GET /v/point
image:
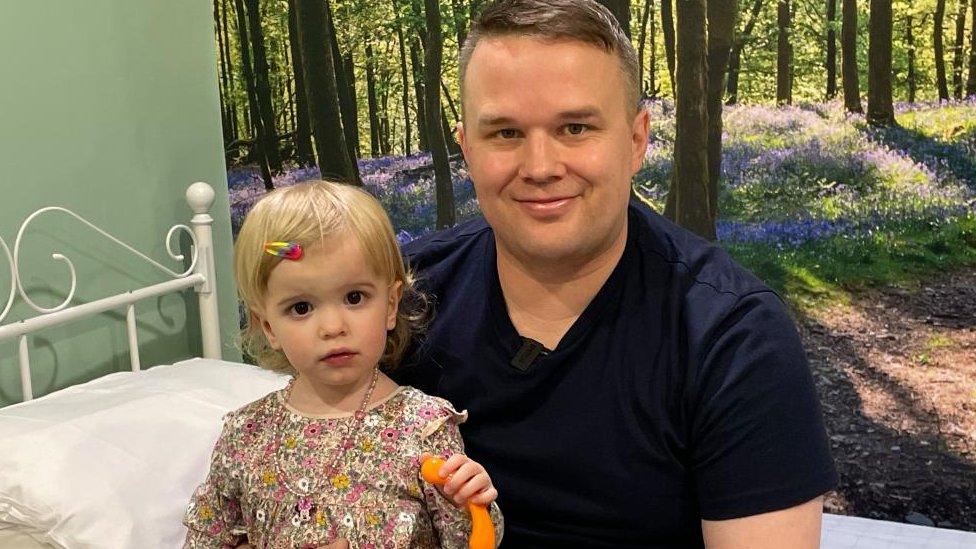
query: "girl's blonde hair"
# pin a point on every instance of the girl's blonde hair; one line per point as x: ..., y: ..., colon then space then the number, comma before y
x: 308, y: 213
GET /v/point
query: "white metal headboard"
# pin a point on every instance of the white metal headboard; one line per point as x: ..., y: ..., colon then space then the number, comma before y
x: 200, y: 275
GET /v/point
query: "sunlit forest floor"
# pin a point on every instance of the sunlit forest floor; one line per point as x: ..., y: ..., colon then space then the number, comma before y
x: 869, y: 234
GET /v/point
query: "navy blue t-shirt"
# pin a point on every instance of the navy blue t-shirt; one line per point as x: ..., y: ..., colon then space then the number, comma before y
x: 680, y: 393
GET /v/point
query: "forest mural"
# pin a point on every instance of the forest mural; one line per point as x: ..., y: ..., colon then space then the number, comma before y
x: 828, y: 145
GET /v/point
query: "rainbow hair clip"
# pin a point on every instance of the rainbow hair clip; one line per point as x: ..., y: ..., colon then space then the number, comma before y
x: 284, y: 250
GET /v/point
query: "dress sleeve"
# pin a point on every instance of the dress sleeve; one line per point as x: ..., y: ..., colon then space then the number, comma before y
x: 442, y: 437
x: 213, y: 518
x: 758, y: 437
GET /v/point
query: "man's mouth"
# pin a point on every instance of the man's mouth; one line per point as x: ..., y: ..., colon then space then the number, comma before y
x: 547, y: 205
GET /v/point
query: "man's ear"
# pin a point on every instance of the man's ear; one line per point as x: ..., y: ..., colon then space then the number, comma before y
x: 639, y: 133
x: 461, y: 139
x: 269, y: 334
x: 393, y: 305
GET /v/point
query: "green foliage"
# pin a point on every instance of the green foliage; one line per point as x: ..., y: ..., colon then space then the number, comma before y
x: 825, y: 271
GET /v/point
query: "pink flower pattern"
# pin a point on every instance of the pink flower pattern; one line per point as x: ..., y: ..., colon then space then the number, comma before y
x: 244, y: 498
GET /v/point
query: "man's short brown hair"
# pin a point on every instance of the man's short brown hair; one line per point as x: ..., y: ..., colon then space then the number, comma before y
x: 581, y: 20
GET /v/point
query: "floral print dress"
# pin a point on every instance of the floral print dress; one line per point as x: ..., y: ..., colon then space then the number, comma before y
x: 373, y: 496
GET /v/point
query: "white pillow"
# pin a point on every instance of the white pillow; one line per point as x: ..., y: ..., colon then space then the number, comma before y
x: 113, y: 462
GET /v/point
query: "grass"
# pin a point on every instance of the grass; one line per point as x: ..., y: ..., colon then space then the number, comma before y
x: 824, y: 272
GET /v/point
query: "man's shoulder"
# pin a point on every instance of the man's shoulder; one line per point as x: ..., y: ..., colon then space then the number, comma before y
x: 700, y: 266
x: 448, y: 249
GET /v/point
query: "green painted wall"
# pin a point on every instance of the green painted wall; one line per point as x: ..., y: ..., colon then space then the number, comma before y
x: 109, y: 108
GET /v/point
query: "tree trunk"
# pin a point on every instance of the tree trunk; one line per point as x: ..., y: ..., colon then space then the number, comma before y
x: 667, y: 28
x: 420, y: 94
x: 831, y: 49
x: 652, y: 68
x: 432, y: 93
x: 289, y: 80
x: 910, y: 41
x: 940, y: 68
x: 384, y: 117
x: 848, y: 51
x: 722, y: 16
x: 374, y: 121
x: 450, y: 103
x: 621, y: 11
x: 405, y: 94
x: 738, y: 46
x: 262, y: 88
x: 958, y: 50
x: 784, y: 54
x: 460, y: 21
x: 350, y: 108
x: 303, y: 131
x: 322, y: 93
x: 688, y: 200
x: 222, y: 90
x: 452, y: 145
x: 348, y: 111
x: 971, y: 80
x: 229, y: 76
x: 641, y: 40
x: 881, y: 111
x: 257, y: 151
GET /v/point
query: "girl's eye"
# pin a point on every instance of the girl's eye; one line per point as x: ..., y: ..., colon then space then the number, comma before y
x: 301, y: 308
x: 355, y: 298
x: 575, y: 129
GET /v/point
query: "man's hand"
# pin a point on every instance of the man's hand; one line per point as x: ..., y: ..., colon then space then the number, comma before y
x: 467, y: 481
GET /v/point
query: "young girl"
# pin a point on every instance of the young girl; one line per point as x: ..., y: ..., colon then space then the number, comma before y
x: 336, y: 454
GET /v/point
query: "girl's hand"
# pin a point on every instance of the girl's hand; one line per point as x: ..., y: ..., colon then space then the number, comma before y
x: 467, y: 481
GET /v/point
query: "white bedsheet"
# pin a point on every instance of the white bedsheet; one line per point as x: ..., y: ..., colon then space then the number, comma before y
x: 113, y: 462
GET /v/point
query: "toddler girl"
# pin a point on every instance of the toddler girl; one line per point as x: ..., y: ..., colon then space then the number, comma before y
x: 336, y: 454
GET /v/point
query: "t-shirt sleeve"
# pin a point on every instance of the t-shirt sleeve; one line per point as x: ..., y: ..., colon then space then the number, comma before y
x: 758, y: 442
x: 213, y: 518
x: 452, y: 525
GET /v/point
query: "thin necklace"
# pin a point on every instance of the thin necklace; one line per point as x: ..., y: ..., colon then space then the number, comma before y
x: 345, y: 441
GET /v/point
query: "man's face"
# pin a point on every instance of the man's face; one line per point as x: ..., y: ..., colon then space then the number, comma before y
x: 550, y: 145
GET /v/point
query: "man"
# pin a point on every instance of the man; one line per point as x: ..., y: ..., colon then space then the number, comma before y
x: 628, y: 384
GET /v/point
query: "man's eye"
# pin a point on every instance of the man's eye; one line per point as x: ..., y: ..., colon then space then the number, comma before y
x: 508, y: 133
x: 575, y: 129
x: 301, y: 308
x: 355, y: 298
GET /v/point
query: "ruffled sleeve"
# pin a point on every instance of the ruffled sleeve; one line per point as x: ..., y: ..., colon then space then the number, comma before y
x: 441, y: 437
x: 214, y: 518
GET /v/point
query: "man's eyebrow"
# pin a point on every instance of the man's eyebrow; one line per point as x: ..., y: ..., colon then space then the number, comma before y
x: 583, y: 113
x: 493, y: 120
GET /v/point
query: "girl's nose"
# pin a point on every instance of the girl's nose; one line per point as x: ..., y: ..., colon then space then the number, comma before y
x: 332, y: 324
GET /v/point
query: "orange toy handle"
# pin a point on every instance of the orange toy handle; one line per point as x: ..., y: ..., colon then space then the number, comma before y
x: 482, y: 531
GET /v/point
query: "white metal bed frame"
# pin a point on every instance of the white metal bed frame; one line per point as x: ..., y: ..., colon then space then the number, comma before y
x: 199, y: 275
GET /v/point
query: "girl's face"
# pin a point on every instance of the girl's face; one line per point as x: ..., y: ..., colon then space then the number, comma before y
x: 329, y: 313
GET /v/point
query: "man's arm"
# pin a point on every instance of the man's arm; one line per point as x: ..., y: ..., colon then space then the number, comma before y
x: 796, y: 527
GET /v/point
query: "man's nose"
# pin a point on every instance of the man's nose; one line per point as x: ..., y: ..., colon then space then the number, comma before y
x: 541, y: 161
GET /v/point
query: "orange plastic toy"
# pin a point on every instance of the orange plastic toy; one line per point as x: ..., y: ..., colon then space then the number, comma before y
x: 482, y: 531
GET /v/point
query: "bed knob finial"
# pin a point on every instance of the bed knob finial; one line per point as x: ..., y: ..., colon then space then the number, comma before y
x: 200, y: 196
